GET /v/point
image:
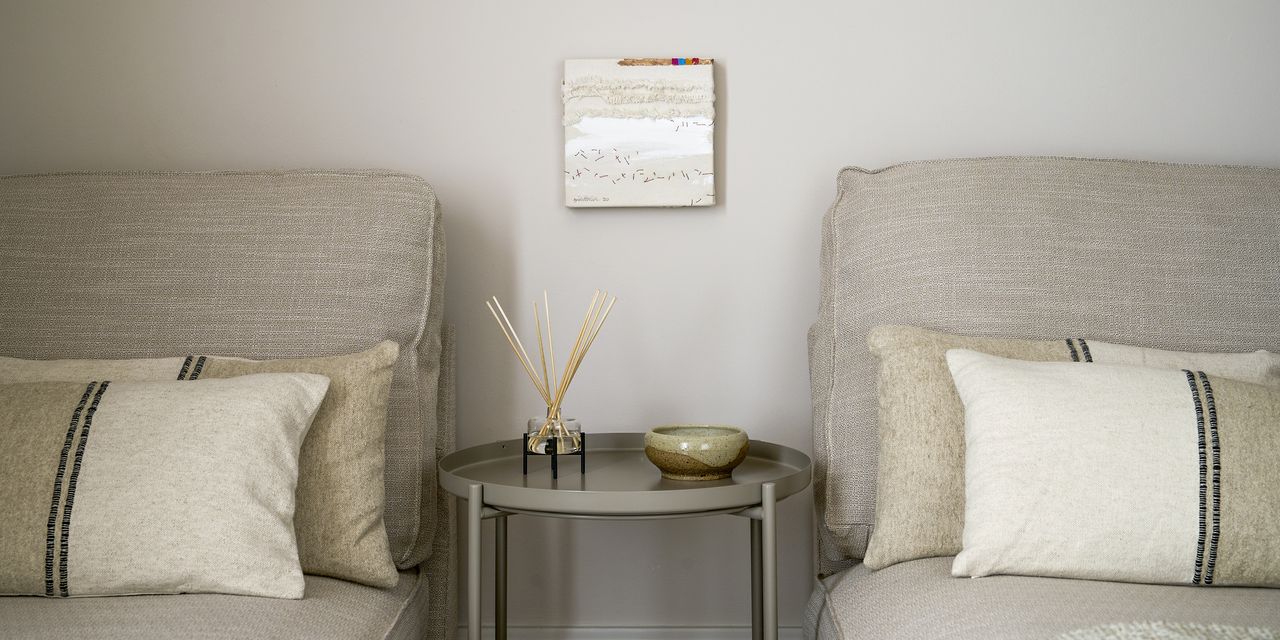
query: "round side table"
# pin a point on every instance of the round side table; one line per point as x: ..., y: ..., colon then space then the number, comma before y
x: 620, y: 484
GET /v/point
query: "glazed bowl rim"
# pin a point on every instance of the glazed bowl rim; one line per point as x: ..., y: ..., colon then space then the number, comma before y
x: 727, y: 430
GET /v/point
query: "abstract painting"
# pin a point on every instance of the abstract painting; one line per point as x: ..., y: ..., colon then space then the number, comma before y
x: 638, y: 132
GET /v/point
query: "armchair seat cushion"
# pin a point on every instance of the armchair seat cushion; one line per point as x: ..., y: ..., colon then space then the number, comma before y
x: 332, y: 608
x: 920, y: 600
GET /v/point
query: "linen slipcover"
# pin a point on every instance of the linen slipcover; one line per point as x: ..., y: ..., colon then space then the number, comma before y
x: 259, y: 265
x: 419, y: 607
x: 920, y: 486
x: 1170, y: 256
x: 184, y: 487
x: 919, y: 600
x: 340, y: 494
x: 1118, y: 472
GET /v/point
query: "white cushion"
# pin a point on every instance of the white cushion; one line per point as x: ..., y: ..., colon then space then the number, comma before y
x: 1113, y: 472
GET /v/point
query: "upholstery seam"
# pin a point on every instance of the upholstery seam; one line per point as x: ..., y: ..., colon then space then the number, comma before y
x: 826, y: 427
x: 404, y: 606
x: 420, y: 417
x: 1080, y: 159
x: 835, y: 620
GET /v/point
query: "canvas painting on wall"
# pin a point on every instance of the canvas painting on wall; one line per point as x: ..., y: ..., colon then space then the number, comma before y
x: 638, y: 132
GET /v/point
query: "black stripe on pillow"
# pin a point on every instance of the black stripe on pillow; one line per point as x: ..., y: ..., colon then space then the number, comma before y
x: 1204, y: 472
x: 1071, y: 344
x: 1217, y: 477
x: 56, y: 503
x: 71, y: 488
x: 186, y: 366
x: 195, y: 373
x: 1084, y: 348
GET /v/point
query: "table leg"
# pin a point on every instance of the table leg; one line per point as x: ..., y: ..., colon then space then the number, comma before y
x: 475, y: 505
x: 769, y: 560
x: 757, y: 594
x: 500, y: 578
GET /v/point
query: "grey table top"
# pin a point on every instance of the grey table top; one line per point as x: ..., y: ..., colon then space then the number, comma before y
x: 620, y: 481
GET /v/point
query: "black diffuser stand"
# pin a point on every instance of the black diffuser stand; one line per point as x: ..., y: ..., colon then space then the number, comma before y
x: 555, y: 456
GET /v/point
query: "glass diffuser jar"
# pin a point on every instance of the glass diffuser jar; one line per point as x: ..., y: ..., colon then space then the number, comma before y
x: 566, y: 434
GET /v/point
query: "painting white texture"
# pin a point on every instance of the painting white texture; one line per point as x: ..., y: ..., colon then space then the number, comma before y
x: 638, y: 132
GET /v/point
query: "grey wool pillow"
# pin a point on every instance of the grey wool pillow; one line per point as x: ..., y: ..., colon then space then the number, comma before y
x: 1114, y: 472
x: 117, y: 488
x: 341, y: 497
x: 920, y: 483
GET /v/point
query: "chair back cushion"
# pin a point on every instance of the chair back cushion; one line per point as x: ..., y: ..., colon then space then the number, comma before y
x: 247, y: 264
x: 1179, y: 257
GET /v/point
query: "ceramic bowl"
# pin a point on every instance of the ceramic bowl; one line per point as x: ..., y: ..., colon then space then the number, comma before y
x: 695, y: 451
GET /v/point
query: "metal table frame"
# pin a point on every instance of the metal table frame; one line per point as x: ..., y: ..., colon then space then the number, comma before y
x: 755, y: 500
x: 764, y: 558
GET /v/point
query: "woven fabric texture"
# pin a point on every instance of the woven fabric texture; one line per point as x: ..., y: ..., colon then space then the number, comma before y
x: 332, y: 608
x: 1114, y: 472
x: 441, y: 567
x: 919, y: 600
x: 158, y: 487
x: 338, y: 521
x: 920, y: 489
x: 1168, y: 256
x: 1168, y: 631
x: 248, y: 264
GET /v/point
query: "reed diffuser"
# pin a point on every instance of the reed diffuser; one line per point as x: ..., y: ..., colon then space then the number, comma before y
x: 554, y: 434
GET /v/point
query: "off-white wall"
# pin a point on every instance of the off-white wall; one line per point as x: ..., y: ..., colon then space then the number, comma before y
x: 714, y: 303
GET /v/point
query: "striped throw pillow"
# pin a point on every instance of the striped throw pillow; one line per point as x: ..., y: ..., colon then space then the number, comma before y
x: 920, y: 481
x: 339, y: 520
x: 113, y: 488
x: 1112, y: 472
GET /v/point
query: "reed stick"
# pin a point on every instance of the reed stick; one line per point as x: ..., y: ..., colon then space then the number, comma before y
x: 542, y: 387
x: 573, y: 352
x: 527, y: 368
x: 542, y: 353
x: 594, y: 333
x: 551, y: 387
x: 551, y: 341
x: 591, y: 329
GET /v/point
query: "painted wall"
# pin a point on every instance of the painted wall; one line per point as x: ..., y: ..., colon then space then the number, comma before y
x: 714, y: 302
